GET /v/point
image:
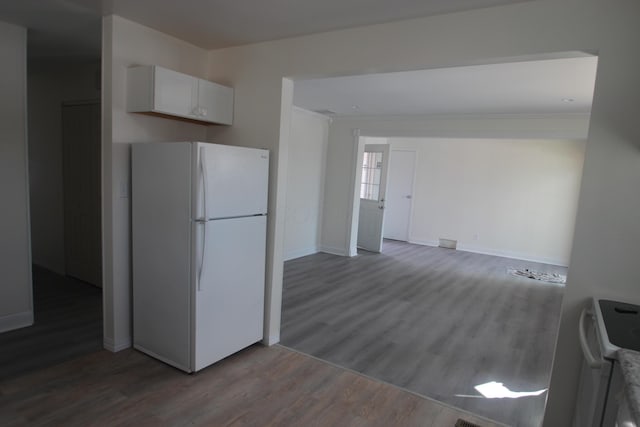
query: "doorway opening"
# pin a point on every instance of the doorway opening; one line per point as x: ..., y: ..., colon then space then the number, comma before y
x: 81, y: 183
x: 402, y: 169
x: 64, y: 128
x: 499, y: 180
x: 386, y: 205
x: 373, y: 190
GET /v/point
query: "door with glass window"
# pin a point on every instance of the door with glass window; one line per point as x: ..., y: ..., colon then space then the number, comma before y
x: 373, y: 186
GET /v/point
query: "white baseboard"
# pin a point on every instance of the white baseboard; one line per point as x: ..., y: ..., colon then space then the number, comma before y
x: 269, y: 341
x: 113, y: 347
x: 300, y: 253
x: 333, y: 250
x: 487, y: 251
x: 513, y: 255
x: 16, y: 321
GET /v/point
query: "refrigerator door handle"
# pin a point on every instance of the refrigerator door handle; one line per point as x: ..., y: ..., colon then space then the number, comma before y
x: 205, y: 182
x: 204, y: 250
x: 592, y: 362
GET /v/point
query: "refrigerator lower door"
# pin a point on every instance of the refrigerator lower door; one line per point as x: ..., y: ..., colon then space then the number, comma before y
x: 229, y: 295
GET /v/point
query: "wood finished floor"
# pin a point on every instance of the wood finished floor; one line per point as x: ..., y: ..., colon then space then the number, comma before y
x: 68, y: 323
x: 434, y: 321
x: 258, y: 387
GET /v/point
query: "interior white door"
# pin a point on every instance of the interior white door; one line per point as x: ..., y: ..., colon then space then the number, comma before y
x: 229, y: 270
x: 82, y: 196
x: 402, y: 165
x: 233, y: 181
x: 373, y: 186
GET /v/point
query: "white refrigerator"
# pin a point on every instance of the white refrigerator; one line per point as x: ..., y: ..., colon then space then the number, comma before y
x: 199, y: 214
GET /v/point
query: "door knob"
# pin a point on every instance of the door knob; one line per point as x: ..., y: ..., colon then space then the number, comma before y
x: 408, y: 196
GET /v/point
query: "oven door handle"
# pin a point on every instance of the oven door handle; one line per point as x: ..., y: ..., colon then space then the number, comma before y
x: 591, y: 361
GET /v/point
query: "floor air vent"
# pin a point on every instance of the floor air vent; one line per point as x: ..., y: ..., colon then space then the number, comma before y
x: 464, y: 423
x: 447, y: 243
x: 325, y: 112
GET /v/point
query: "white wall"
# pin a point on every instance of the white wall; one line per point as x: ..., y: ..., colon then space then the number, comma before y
x: 339, y: 229
x: 125, y: 44
x: 305, y: 183
x: 506, y: 197
x: 603, y: 259
x: 49, y: 85
x: 16, y: 307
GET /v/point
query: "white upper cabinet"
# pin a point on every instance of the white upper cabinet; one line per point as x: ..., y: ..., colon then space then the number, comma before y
x: 215, y: 102
x: 153, y: 89
x: 174, y: 93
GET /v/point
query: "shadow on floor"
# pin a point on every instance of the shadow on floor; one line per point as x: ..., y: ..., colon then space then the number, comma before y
x: 68, y: 323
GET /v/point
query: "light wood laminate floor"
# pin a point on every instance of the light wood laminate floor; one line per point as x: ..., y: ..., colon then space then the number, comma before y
x: 258, y: 387
x: 434, y: 321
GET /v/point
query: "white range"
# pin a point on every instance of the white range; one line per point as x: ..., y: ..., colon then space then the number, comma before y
x: 605, y: 328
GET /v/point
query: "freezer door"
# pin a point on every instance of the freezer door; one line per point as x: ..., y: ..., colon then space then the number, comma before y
x: 231, y: 181
x: 229, y: 297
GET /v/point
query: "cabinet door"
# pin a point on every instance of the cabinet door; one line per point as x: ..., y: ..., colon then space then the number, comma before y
x: 215, y: 102
x: 175, y: 93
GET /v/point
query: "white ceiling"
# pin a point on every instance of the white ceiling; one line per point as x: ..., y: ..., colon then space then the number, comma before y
x: 57, y: 28
x: 72, y: 27
x: 532, y: 87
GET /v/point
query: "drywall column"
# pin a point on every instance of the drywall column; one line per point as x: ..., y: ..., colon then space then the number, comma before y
x: 305, y: 182
x: 108, y: 303
x: 16, y: 307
